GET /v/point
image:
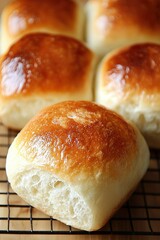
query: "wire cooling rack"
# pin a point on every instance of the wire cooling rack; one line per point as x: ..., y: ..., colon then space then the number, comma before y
x: 139, y: 216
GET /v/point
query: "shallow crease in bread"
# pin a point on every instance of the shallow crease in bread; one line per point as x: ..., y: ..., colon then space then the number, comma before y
x: 77, y: 162
x: 42, y: 69
x: 21, y: 17
x: 128, y: 82
x: 116, y: 23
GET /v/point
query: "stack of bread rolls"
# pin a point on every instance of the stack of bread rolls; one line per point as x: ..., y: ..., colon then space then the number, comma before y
x: 76, y: 160
x: 41, y: 68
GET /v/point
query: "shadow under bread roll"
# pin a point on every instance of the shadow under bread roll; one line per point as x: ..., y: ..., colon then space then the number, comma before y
x: 128, y: 82
x: 77, y: 162
x: 21, y: 17
x: 40, y: 70
x: 116, y: 23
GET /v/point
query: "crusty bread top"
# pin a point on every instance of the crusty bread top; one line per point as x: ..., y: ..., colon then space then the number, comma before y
x: 123, y: 15
x: 133, y: 69
x: 40, y: 63
x: 21, y: 15
x: 72, y: 138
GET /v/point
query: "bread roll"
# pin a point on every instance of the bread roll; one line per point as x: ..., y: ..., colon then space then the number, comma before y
x: 77, y: 162
x: 128, y: 82
x: 39, y: 70
x: 21, y: 17
x: 116, y: 23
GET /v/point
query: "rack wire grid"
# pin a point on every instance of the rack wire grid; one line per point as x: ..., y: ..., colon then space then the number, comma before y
x: 139, y: 216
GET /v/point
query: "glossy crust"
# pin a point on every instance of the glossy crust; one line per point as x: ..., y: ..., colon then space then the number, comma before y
x: 90, y: 152
x: 85, y: 137
x: 134, y: 71
x: 128, y: 82
x: 21, y: 17
x: 116, y: 23
x: 33, y: 14
x: 42, y: 63
x: 143, y: 15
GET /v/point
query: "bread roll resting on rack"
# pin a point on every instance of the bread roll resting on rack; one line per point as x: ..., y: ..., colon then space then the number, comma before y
x: 128, y: 82
x: 77, y: 162
x: 39, y: 70
x: 116, y: 23
x: 21, y: 17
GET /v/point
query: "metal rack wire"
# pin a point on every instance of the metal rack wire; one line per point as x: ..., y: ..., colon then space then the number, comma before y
x: 139, y: 216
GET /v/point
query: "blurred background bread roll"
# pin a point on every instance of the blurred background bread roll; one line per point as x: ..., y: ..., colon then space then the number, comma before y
x: 116, y: 23
x: 128, y: 82
x: 20, y: 17
x: 77, y: 162
x: 42, y: 69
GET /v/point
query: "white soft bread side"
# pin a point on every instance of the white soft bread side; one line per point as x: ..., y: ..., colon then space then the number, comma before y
x: 78, y: 162
x: 21, y: 17
x: 16, y: 113
x: 42, y: 69
x: 112, y: 24
x: 128, y: 82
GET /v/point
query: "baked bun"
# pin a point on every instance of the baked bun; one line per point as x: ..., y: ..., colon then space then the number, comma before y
x: 21, y: 17
x: 77, y: 162
x: 128, y: 82
x: 112, y: 24
x: 39, y: 70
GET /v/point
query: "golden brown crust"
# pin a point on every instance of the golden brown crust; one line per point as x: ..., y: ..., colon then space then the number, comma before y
x: 22, y: 15
x: 134, y: 69
x: 143, y: 15
x: 73, y: 137
x: 43, y: 63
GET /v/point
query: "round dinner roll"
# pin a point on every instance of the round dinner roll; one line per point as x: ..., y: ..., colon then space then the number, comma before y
x: 21, y: 17
x: 77, y: 162
x: 128, y: 82
x: 116, y: 23
x: 40, y: 70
